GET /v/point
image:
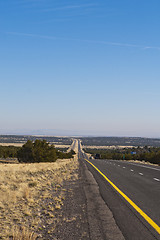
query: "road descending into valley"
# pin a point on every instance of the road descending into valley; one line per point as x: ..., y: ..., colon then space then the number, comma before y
x: 132, y: 192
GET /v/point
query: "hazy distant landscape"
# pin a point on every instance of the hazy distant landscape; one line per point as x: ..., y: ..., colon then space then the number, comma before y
x: 23, y: 138
x: 120, y: 141
x: 87, y: 141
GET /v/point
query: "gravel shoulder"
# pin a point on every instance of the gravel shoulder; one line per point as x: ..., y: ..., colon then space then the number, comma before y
x: 84, y: 214
x: 73, y: 221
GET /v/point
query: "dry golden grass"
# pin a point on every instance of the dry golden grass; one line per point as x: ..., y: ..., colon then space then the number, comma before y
x: 31, y: 195
x: 23, y: 234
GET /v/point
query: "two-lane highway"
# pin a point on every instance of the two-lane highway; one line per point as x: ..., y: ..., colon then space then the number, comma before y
x: 132, y: 192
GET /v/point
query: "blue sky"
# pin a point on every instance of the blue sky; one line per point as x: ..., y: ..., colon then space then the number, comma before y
x: 80, y: 67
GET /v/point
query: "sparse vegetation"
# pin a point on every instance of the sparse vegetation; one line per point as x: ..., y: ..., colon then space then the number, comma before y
x: 31, y: 195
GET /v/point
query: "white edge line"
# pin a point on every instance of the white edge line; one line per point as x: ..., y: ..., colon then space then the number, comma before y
x: 144, y: 166
x: 156, y: 179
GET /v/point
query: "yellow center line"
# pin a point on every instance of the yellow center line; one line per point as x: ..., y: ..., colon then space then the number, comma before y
x: 144, y: 215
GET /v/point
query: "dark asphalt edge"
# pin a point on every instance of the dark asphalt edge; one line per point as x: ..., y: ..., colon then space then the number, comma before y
x: 101, y: 223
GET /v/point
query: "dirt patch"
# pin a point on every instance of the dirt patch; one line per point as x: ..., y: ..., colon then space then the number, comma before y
x: 106, y: 147
x: 9, y: 160
x: 12, y: 144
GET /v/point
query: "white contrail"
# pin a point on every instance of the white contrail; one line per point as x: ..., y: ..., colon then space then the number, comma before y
x: 67, y: 7
x: 84, y: 40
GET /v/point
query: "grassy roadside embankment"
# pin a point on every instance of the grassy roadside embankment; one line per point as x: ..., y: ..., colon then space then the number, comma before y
x: 31, y: 195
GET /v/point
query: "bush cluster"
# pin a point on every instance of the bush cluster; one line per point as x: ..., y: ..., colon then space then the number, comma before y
x: 40, y: 151
x: 8, y: 151
x: 148, y: 154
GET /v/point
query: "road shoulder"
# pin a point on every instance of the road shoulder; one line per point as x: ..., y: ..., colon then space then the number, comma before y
x: 100, y: 219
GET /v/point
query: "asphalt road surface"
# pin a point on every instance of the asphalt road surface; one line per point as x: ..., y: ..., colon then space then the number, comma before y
x: 140, y: 183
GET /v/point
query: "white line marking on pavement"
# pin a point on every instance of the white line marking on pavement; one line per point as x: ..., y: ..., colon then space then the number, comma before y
x: 156, y: 179
x: 141, y: 173
x: 118, y: 165
x: 124, y: 167
x: 139, y: 165
x: 132, y: 170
